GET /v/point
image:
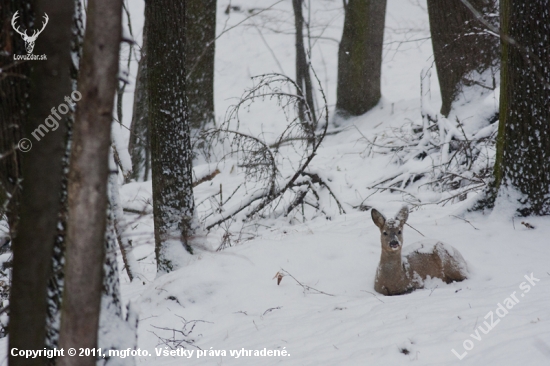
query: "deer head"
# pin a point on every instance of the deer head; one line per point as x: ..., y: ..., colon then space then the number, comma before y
x: 391, y: 230
x: 29, y: 40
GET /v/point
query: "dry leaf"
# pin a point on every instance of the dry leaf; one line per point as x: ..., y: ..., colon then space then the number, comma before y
x: 527, y: 225
x: 279, y: 276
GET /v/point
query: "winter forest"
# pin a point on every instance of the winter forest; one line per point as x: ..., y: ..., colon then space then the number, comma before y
x: 274, y: 182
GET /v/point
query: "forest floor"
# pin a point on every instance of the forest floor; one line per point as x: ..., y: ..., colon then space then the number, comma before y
x: 327, y: 312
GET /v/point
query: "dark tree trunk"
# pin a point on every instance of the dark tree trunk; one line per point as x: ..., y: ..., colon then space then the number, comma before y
x: 88, y: 176
x: 306, y: 110
x: 523, y: 141
x: 360, y: 57
x: 14, y: 94
x: 139, y: 144
x: 173, y: 204
x: 460, y: 44
x: 56, y: 282
x: 200, y: 20
x: 42, y: 171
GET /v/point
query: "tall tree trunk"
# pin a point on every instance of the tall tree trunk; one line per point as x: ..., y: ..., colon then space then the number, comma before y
x: 88, y: 176
x: 360, y: 57
x: 56, y: 282
x: 306, y: 109
x: 42, y: 172
x: 111, y: 320
x: 119, y: 226
x: 14, y: 94
x: 139, y: 145
x: 200, y: 20
x: 173, y: 204
x: 460, y: 44
x: 523, y: 141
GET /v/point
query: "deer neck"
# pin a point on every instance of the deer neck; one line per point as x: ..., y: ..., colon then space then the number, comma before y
x: 391, y: 260
x: 392, y: 272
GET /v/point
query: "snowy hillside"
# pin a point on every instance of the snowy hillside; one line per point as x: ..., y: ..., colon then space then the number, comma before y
x: 325, y: 310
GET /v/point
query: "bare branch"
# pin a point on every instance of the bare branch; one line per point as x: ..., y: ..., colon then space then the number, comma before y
x: 305, y: 287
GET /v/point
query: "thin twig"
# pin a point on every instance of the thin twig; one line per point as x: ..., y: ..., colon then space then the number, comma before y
x: 305, y: 287
x: 415, y: 229
x: 271, y: 309
x: 465, y: 221
x: 377, y: 298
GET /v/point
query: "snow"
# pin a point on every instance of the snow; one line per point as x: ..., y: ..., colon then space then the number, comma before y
x: 233, y: 295
x: 233, y: 289
x: 329, y: 313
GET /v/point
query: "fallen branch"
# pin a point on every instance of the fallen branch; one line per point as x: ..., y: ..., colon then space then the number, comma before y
x: 138, y: 212
x: 239, y: 208
x: 465, y: 221
x: 177, y: 342
x: 206, y: 178
x: 315, y: 178
x: 260, y: 158
x: 271, y: 309
x: 305, y: 287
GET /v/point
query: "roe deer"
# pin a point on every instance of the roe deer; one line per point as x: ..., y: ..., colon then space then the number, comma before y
x: 402, y: 272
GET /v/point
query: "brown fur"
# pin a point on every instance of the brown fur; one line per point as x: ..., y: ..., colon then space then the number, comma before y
x: 402, y: 272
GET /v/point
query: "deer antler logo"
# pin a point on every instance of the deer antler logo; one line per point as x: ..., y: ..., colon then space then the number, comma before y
x: 29, y: 40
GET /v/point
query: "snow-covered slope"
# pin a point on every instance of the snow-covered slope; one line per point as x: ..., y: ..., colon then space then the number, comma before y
x: 325, y: 310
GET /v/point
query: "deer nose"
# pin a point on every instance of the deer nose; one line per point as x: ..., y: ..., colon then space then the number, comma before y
x: 394, y: 244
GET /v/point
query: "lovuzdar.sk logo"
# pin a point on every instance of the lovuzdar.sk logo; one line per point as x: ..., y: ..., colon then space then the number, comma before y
x: 29, y: 40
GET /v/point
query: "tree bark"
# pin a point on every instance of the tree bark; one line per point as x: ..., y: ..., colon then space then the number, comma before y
x: 173, y: 203
x: 460, y: 44
x: 360, y: 57
x: 139, y: 145
x: 56, y: 281
x: 306, y: 109
x: 523, y: 141
x: 50, y: 83
x: 111, y: 319
x: 88, y: 176
x: 14, y: 93
x: 200, y: 20
x: 119, y: 226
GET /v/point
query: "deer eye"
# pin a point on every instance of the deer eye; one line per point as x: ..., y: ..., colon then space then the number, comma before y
x: 399, y: 232
x: 385, y: 233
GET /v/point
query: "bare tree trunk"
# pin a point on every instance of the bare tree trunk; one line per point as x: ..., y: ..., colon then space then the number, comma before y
x: 42, y: 172
x: 523, y: 142
x: 14, y: 94
x: 360, y: 57
x: 111, y: 320
x: 88, y: 176
x: 460, y: 44
x: 119, y: 225
x: 56, y: 282
x: 200, y: 20
x: 173, y: 203
x: 306, y: 109
x: 139, y: 145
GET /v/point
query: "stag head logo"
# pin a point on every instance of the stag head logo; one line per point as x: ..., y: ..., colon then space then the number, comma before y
x: 29, y: 40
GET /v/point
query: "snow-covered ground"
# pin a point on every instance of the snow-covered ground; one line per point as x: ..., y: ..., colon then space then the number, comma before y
x: 327, y: 312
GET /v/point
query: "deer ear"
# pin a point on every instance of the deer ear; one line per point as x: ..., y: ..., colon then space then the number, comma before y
x: 403, y: 215
x: 378, y: 218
